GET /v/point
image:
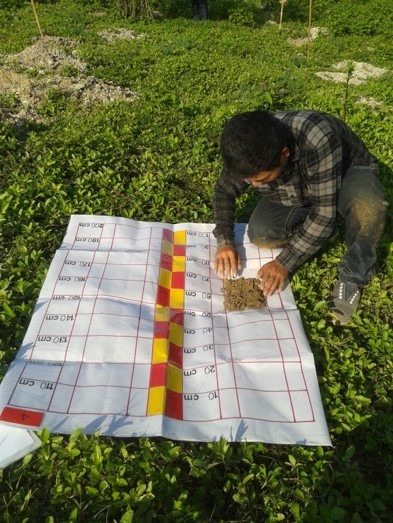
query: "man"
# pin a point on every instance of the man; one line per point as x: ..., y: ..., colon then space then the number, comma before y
x: 199, y: 9
x: 305, y: 166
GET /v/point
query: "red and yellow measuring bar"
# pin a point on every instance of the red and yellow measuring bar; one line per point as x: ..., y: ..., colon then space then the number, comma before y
x: 166, y: 383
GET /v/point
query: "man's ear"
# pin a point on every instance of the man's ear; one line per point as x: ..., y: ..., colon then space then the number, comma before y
x: 285, y: 152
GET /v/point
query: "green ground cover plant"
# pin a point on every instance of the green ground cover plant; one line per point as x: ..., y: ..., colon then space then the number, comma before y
x: 157, y: 158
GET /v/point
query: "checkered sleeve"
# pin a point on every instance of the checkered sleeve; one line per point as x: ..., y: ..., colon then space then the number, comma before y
x: 227, y: 189
x: 322, y: 177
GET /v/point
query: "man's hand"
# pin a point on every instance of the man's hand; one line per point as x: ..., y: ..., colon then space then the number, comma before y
x: 227, y: 262
x: 272, y: 276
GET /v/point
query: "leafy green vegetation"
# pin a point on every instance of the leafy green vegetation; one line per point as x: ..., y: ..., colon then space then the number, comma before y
x: 157, y: 158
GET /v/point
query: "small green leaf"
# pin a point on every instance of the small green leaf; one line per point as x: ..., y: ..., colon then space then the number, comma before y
x: 127, y: 517
x: 292, y: 460
x: 337, y: 513
x: 91, y: 491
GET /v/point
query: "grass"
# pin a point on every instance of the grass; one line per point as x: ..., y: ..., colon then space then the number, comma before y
x: 157, y: 159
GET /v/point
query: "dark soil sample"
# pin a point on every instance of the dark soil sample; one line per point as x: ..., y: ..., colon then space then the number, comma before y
x: 242, y: 294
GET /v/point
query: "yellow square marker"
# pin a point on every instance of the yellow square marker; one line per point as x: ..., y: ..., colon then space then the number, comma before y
x: 167, y: 247
x: 179, y: 237
x: 179, y: 264
x: 175, y: 380
x: 161, y: 313
x: 160, y: 350
x: 165, y: 278
x: 156, y: 401
x: 176, y: 334
x: 176, y: 300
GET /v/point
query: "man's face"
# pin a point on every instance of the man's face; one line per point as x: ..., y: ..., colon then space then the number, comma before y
x: 263, y: 177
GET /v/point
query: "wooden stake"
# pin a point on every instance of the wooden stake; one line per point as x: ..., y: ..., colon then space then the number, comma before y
x: 282, y: 2
x: 309, y: 30
x: 36, y: 18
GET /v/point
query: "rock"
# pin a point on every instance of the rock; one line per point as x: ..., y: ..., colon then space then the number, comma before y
x: 316, y: 32
x: 361, y: 72
x: 370, y: 102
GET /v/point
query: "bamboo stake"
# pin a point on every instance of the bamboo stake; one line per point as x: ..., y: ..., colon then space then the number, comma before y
x: 36, y: 18
x: 282, y: 2
x: 309, y: 30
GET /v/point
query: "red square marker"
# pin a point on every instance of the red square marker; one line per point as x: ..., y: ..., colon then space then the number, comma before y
x: 158, y: 374
x: 179, y: 250
x: 175, y: 355
x: 177, y: 316
x: 166, y: 261
x: 161, y: 329
x: 178, y: 279
x: 22, y: 416
x: 174, y: 405
x: 167, y: 234
x: 163, y: 296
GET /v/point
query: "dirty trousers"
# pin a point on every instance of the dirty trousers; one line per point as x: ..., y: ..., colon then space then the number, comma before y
x: 361, y: 203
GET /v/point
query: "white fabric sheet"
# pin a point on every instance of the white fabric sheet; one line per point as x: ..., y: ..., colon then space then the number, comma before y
x: 129, y: 338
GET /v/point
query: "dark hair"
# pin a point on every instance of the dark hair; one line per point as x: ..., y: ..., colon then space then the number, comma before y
x: 253, y: 142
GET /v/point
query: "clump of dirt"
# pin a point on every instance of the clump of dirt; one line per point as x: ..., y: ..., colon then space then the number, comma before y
x: 31, y: 92
x: 119, y: 34
x: 51, y: 56
x: 50, y: 53
x: 242, y: 294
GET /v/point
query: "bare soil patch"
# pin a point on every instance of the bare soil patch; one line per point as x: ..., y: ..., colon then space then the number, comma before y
x: 49, y: 57
x: 119, y: 34
x: 316, y: 32
x: 242, y: 294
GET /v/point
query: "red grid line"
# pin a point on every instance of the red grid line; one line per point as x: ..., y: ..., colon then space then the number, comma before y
x: 301, y: 367
x: 282, y: 356
x: 138, y: 337
x: 185, y: 392
x: 266, y: 420
x: 188, y: 420
x: 233, y: 367
x: 214, y: 338
x: 219, y: 363
x: 300, y: 358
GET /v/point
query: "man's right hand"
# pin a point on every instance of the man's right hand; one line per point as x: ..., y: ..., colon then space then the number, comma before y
x: 227, y: 262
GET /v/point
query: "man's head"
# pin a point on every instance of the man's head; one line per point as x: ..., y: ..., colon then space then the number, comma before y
x: 255, y: 145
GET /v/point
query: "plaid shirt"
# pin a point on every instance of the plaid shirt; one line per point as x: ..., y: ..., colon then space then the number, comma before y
x: 324, y: 149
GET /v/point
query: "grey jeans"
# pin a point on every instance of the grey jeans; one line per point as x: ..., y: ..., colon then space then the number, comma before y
x: 361, y: 203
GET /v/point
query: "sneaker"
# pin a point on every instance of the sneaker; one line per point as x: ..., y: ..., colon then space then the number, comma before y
x: 345, y: 301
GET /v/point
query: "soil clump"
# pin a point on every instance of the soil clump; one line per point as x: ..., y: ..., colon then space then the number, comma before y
x: 242, y: 294
x: 50, y: 57
x: 119, y: 34
x: 50, y: 53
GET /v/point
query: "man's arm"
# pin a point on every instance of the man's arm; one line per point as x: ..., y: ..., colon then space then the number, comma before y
x: 323, y: 179
x: 228, y: 188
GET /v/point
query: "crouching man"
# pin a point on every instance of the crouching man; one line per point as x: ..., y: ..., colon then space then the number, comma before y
x: 305, y: 166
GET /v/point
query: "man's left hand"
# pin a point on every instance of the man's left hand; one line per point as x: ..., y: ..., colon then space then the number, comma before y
x: 272, y: 276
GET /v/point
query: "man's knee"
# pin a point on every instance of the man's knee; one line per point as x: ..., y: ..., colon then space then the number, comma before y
x: 362, y: 201
x: 368, y: 214
x: 261, y: 235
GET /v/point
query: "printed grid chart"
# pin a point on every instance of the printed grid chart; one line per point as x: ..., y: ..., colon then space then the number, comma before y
x: 129, y: 337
